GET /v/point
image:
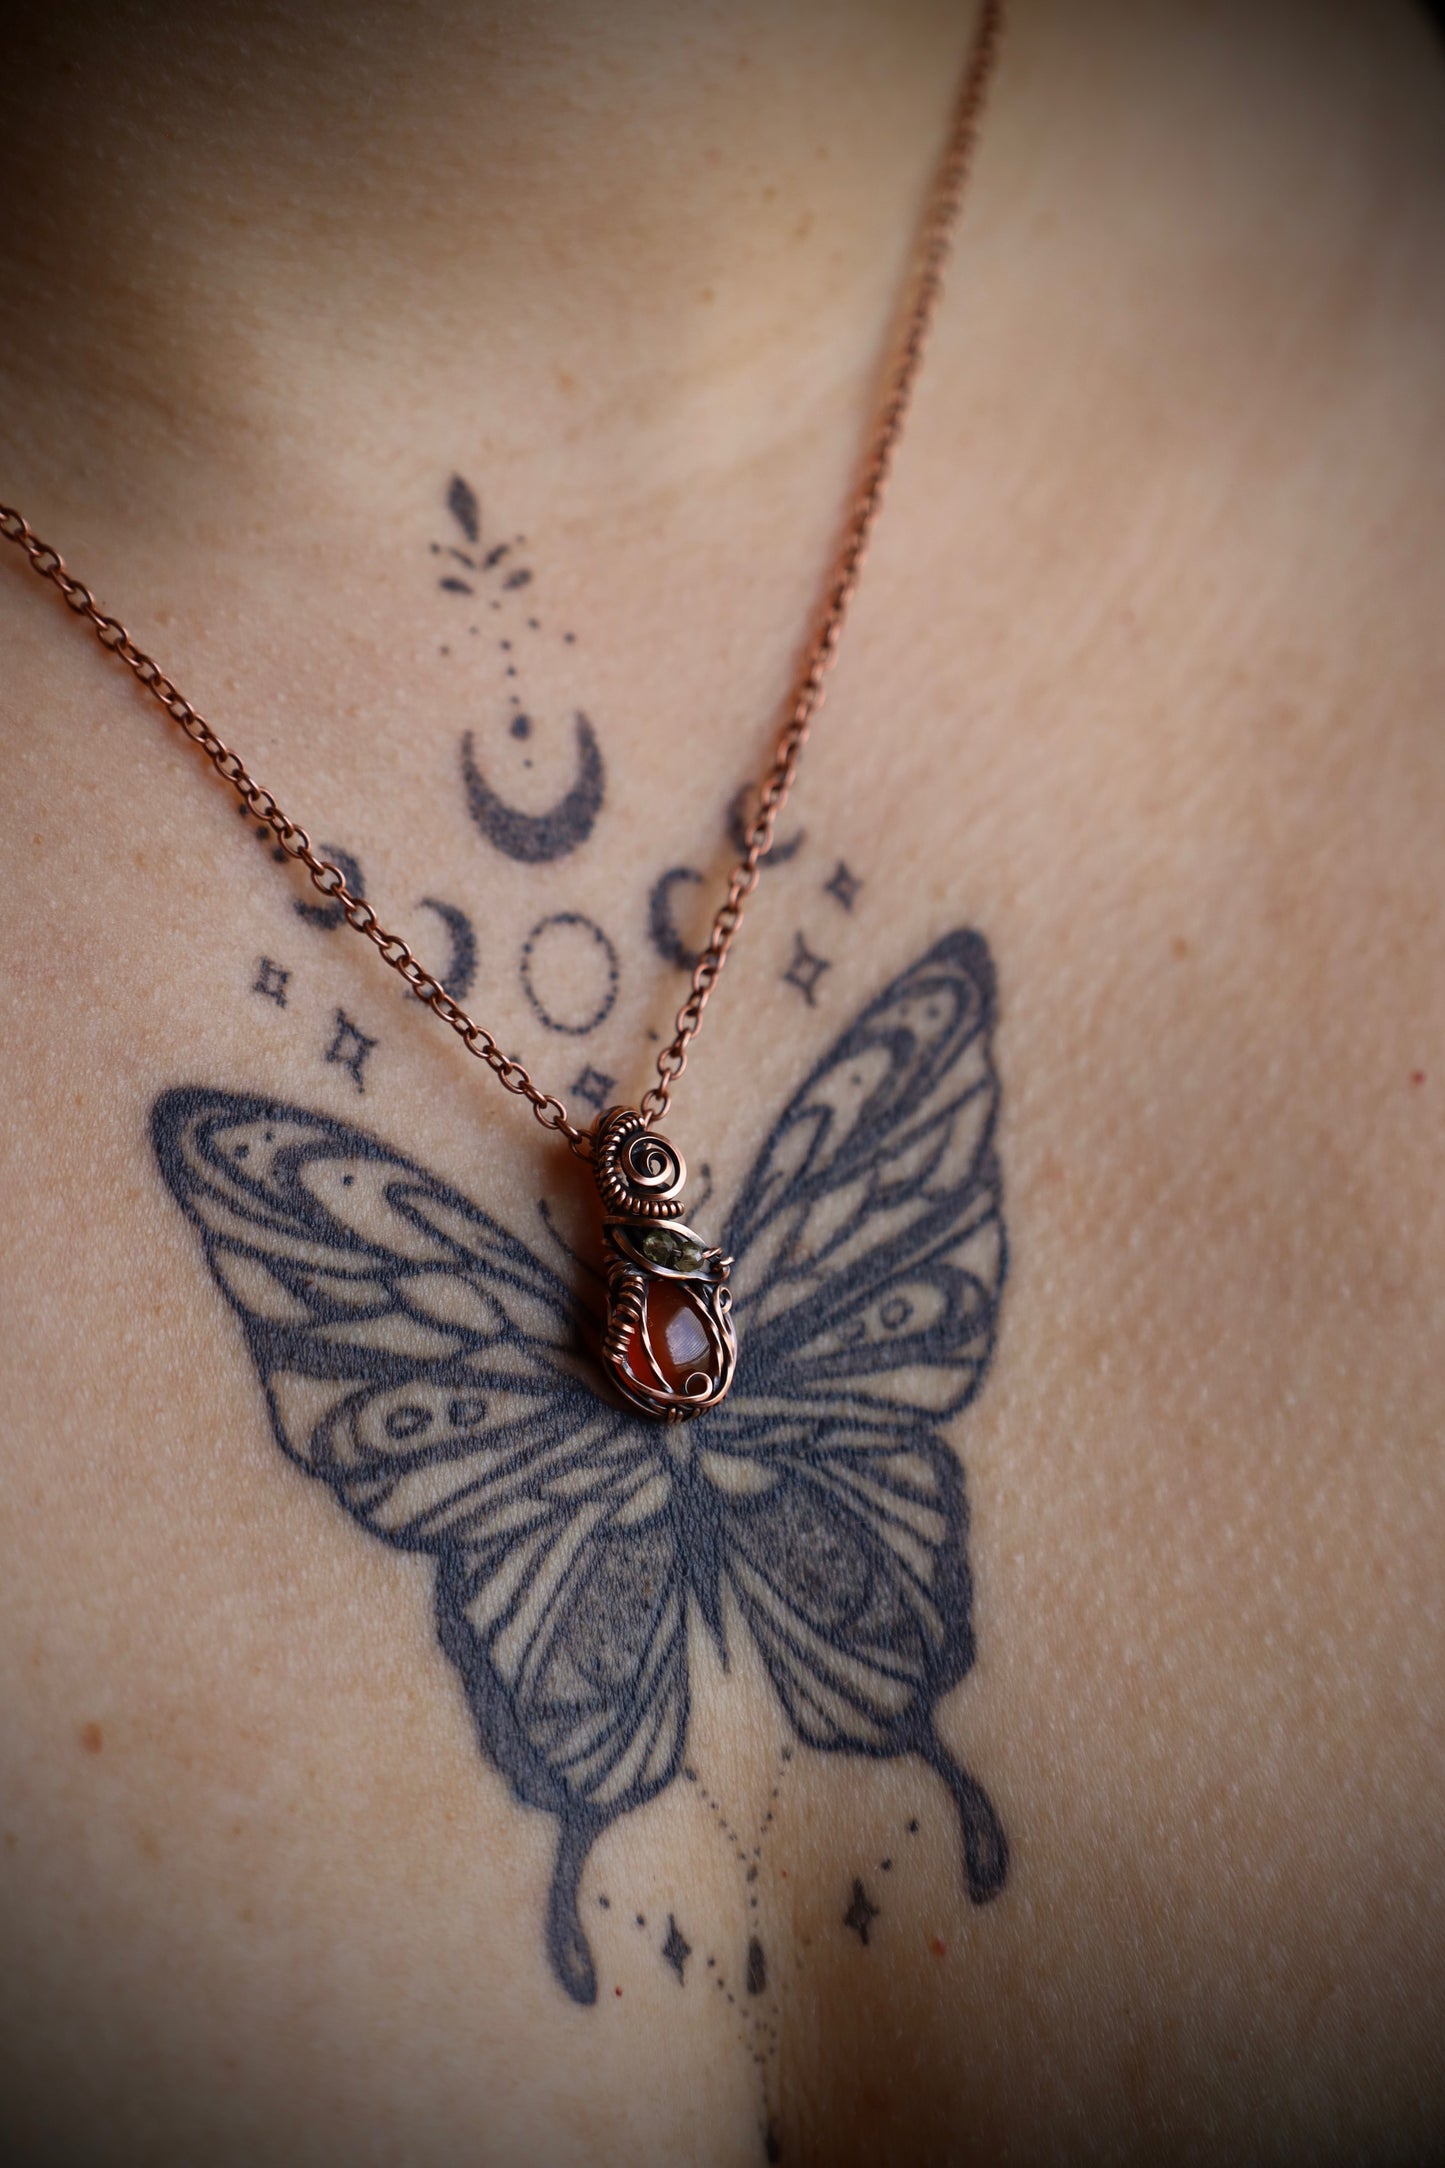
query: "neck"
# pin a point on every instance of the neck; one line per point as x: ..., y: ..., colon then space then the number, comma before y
x: 683, y: 221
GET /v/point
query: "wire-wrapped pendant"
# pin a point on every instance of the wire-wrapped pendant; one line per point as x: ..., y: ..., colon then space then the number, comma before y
x: 669, y: 1346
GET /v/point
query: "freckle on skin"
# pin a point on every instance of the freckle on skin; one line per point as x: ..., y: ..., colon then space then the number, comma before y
x: 91, y: 1738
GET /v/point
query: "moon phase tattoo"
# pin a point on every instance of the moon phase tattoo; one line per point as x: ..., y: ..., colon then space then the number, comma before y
x: 661, y: 926
x: 534, y: 839
x: 422, y: 1362
x: 461, y: 969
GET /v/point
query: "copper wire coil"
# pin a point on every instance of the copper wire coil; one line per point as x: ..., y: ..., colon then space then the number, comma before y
x: 640, y: 1175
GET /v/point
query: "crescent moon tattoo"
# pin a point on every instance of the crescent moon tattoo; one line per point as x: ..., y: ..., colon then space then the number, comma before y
x: 738, y: 830
x: 663, y: 933
x: 330, y: 915
x: 461, y: 968
x: 535, y: 838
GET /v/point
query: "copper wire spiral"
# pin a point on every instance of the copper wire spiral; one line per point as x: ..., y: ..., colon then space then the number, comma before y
x: 639, y: 1173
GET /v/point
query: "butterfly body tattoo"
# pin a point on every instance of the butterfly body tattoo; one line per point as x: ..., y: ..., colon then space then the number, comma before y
x: 424, y: 1363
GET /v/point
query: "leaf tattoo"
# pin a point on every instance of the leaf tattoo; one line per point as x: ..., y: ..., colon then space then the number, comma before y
x: 428, y: 1367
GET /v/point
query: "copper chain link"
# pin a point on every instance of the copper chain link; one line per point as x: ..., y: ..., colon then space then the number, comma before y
x: 804, y: 702
x: 293, y: 840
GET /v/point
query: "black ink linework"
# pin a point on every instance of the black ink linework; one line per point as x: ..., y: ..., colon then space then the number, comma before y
x: 662, y: 932
x: 461, y: 970
x: 453, y: 586
x: 587, y: 1266
x: 559, y: 946
x: 805, y: 970
x: 426, y: 1366
x: 715, y: 1808
x: 329, y: 916
x: 535, y: 839
x: 594, y: 1086
x: 843, y: 887
x: 738, y: 820
x: 272, y: 981
x: 350, y: 1047
x: 465, y: 510
x: 860, y: 1914
x: 677, y: 1949
x: 758, y: 2014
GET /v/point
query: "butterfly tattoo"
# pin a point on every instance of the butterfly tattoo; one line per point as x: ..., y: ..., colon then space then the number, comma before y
x: 423, y: 1362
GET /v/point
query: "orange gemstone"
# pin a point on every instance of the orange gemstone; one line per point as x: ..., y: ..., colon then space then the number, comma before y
x: 678, y: 1337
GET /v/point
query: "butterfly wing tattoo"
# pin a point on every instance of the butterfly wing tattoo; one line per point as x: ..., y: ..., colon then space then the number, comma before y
x: 429, y: 1368
x: 872, y: 1258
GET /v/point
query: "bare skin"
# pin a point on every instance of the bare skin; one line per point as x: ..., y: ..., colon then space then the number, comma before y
x: 1144, y: 683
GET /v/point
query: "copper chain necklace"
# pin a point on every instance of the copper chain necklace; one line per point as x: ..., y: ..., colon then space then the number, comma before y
x: 669, y: 1345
